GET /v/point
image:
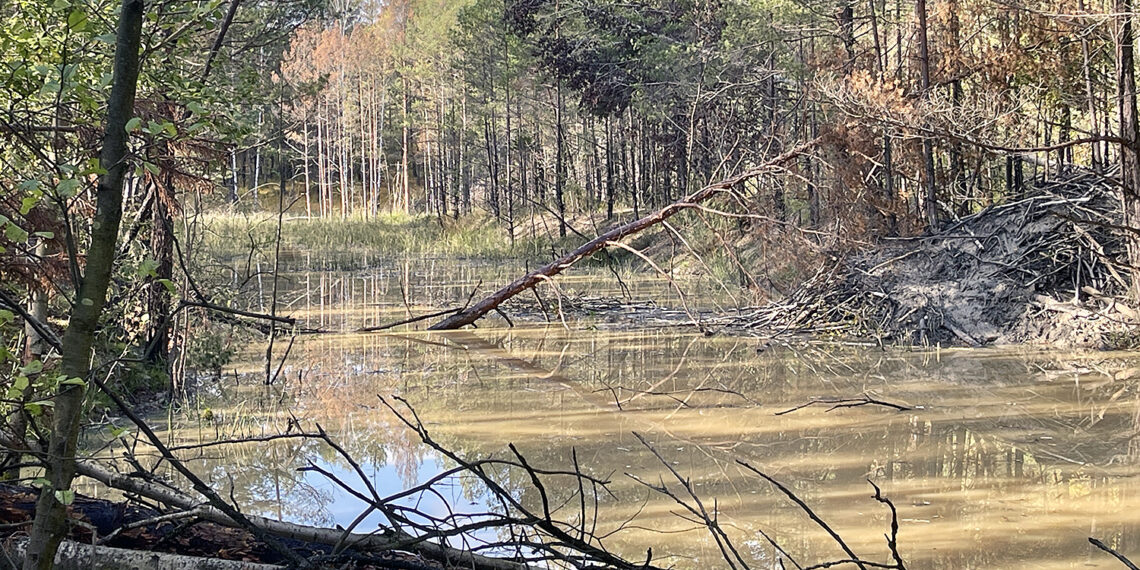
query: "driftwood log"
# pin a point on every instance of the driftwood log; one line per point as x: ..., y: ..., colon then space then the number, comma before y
x: 491, y: 302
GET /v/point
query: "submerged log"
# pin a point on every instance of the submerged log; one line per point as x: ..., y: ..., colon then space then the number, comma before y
x: 489, y: 303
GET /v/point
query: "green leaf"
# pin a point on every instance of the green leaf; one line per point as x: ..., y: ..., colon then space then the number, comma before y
x: 21, y: 383
x: 41, y: 482
x: 33, y: 367
x: 27, y: 204
x: 147, y: 268
x: 30, y: 185
x: 106, y: 38
x: 65, y: 497
x: 118, y: 431
x: 196, y: 108
x: 44, y: 235
x: 67, y: 188
x: 93, y: 168
x: 77, y: 21
x: 170, y: 288
x: 74, y: 382
x: 15, y: 233
x: 133, y: 124
x: 6, y: 316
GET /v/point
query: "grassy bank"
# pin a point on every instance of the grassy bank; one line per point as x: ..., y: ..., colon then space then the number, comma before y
x: 734, y: 260
x: 230, y: 235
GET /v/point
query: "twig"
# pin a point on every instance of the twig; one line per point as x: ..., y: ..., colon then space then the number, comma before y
x: 199, y: 485
x: 560, y: 541
x: 410, y: 320
x: 810, y: 513
x: 728, y: 551
x: 670, y: 394
x: 837, y: 403
x: 239, y: 312
x: 893, y: 539
x: 169, y: 517
x: 1109, y: 550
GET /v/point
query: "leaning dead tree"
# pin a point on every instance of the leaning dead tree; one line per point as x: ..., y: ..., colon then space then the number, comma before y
x: 474, y: 312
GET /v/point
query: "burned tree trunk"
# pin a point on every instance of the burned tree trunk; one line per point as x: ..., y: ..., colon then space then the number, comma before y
x: 474, y: 312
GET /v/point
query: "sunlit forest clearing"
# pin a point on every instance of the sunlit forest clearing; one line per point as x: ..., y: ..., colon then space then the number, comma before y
x: 529, y: 284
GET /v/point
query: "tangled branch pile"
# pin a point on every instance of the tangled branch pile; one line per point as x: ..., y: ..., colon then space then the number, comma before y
x: 1047, y: 267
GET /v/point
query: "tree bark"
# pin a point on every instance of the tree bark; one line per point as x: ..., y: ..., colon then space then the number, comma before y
x: 50, y: 524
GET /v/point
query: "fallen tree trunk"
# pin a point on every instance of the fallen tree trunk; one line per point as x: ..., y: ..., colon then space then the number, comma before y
x: 372, y: 542
x: 76, y: 556
x: 489, y: 303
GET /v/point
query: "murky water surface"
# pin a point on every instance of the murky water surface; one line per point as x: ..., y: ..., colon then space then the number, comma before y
x: 1008, y: 458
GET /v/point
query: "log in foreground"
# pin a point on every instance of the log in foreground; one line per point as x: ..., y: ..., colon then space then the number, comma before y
x: 77, y: 556
x: 372, y: 541
x: 489, y: 303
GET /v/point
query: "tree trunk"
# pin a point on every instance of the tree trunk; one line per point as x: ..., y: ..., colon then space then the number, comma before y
x: 50, y: 524
x: 888, y: 178
x: 559, y: 160
x: 405, y: 189
x: 157, y: 294
x: 1090, y: 95
x: 931, y: 202
x: 1130, y: 132
x: 305, y: 159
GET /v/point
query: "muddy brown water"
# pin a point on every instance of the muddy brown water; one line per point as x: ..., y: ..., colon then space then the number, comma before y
x: 1008, y: 458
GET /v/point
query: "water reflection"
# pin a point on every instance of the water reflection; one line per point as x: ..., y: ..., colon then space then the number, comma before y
x: 1009, y: 459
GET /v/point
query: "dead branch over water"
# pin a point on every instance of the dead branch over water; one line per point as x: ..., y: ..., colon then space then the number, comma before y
x: 838, y: 403
x: 707, y: 517
x: 488, y: 304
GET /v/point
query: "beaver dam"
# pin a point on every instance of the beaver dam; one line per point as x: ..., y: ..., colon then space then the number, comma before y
x: 1047, y: 267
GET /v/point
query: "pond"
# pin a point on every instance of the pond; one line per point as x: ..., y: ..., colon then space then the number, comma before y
x: 1005, y: 458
